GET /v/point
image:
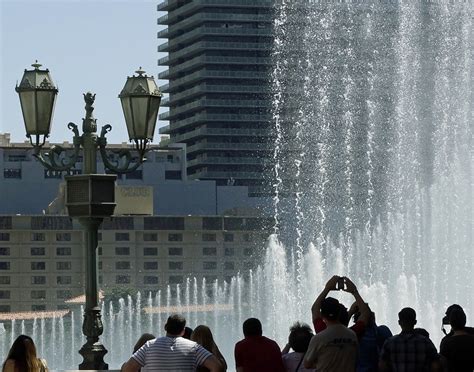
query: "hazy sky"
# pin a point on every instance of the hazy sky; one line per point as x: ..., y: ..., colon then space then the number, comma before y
x: 88, y: 45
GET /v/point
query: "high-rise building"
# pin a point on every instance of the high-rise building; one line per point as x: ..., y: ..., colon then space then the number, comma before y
x: 219, y: 78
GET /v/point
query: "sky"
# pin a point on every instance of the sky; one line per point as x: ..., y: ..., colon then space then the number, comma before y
x: 88, y: 45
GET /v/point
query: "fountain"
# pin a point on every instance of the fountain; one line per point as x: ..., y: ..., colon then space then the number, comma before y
x: 373, y: 179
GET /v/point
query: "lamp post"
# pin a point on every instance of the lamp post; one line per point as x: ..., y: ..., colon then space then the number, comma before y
x: 89, y: 197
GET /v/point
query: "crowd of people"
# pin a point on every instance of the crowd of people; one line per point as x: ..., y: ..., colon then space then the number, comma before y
x: 334, y: 346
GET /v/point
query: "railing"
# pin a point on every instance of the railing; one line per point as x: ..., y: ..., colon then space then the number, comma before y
x: 221, y: 132
x: 229, y: 146
x: 227, y: 175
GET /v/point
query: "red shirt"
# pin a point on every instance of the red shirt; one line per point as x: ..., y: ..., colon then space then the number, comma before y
x: 358, y: 327
x: 258, y: 354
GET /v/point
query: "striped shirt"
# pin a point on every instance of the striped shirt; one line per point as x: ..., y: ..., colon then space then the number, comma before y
x: 171, y: 354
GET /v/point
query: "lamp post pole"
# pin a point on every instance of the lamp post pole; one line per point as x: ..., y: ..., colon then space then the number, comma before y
x: 90, y: 197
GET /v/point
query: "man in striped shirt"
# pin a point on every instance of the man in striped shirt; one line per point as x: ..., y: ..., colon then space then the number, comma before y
x: 172, y: 352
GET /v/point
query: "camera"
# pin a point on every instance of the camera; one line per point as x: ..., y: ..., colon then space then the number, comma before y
x: 445, y: 320
x: 340, y: 283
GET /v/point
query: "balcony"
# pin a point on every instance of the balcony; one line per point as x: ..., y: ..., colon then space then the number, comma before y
x: 226, y: 175
x: 209, y: 132
x: 204, y: 117
x: 209, y: 160
x: 228, y: 146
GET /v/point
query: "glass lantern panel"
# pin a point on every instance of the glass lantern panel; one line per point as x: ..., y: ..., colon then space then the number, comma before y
x: 139, y: 109
x: 127, y: 113
x: 28, y: 107
x: 152, y: 116
x: 45, y: 101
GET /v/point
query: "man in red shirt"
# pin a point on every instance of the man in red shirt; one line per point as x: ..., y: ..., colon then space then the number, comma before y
x: 257, y: 353
x: 345, y: 284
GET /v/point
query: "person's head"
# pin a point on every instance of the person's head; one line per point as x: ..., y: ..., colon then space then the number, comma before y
x: 371, y: 321
x: 407, y: 318
x: 330, y: 309
x: 343, y: 315
x: 449, y: 310
x: 175, y: 325
x: 23, y: 352
x: 300, y: 336
x: 252, y: 327
x: 421, y: 332
x: 187, y: 332
x: 142, y: 340
x: 203, y: 336
x: 457, y: 319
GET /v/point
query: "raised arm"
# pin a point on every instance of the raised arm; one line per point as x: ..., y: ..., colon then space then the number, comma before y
x: 330, y: 286
x: 361, y: 305
x: 131, y: 366
x: 213, y: 364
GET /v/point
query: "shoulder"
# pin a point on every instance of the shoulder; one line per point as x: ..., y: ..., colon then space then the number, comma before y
x: 9, y: 365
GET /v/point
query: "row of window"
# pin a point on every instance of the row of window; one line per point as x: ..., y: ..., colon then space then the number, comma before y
x: 41, y: 280
x: 39, y: 251
x: 39, y: 237
x: 178, y: 251
x: 62, y: 294
x: 41, y: 265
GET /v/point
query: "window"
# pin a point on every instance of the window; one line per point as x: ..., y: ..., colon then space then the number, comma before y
x: 228, y: 237
x: 209, y: 251
x: 101, y: 280
x: 229, y: 266
x: 4, y: 237
x: 172, y: 175
x: 100, y: 265
x: 175, y: 237
x: 150, y: 237
x: 38, y: 295
x: 212, y: 265
x: 38, y: 280
x: 175, y: 279
x: 163, y: 223
x: 37, y: 237
x: 52, y: 174
x: 99, y: 236
x: 175, y: 265
x: 4, y: 265
x: 4, y: 295
x: 212, y: 223
x: 247, y: 251
x: 38, y: 307
x: 37, y: 251
x: 62, y: 307
x: 64, y: 280
x: 99, y: 251
x: 229, y: 251
x: 11, y: 173
x: 51, y: 223
x: 122, y: 237
x: 150, y: 265
x: 122, y: 251
x: 5, y: 223
x: 38, y: 266
x: 63, y: 237
x: 5, y: 280
x: 208, y: 237
x: 63, y: 251
x: 150, y: 251
x: 122, y: 265
x: 122, y: 279
x: 5, y: 308
x: 150, y: 280
x: 175, y: 251
x: 63, y: 294
x: 248, y: 265
x: 118, y: 223
x: 246, y: 237
x: 63, y: 265
x: 4, y: 251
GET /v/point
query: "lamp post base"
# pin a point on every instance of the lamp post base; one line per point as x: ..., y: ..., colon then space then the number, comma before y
x: 93, y: 355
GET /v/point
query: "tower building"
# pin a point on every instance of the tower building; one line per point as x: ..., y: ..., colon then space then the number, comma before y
x: 219, y: 79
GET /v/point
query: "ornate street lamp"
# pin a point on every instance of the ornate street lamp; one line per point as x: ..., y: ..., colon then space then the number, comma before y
x: 90, y: 197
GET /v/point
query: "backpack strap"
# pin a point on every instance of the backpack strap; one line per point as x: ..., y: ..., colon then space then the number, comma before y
x: 299, y: 364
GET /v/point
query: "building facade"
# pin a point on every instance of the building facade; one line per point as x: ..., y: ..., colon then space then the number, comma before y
x: 42, y: 262
x: 219, y: 77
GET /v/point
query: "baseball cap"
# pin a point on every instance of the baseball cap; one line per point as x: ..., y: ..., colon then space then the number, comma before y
x: 330, y: 308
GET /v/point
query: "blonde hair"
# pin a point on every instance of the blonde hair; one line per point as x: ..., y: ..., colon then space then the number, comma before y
x: 23, y: 354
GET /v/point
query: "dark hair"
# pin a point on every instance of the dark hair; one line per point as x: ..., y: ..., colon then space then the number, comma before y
x: 187, y: 332
x: 457, y: 319
x: 407, y: 315
x: 23, y: 352
x: 175, y: 324
x: 142, y: 341
x: 300, y: 336
x: 343, y: 315
x: 252, y: 327
x: 421, y: 332
x: 330, y: 308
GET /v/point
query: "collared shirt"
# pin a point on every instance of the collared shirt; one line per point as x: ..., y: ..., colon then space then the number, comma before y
x: 358, y: 327
x: 409, y: 352
x: 175, y: 354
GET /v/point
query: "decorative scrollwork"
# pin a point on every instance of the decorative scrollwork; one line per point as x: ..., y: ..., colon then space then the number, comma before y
x: 54, y: 160
x: 125, y: 163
